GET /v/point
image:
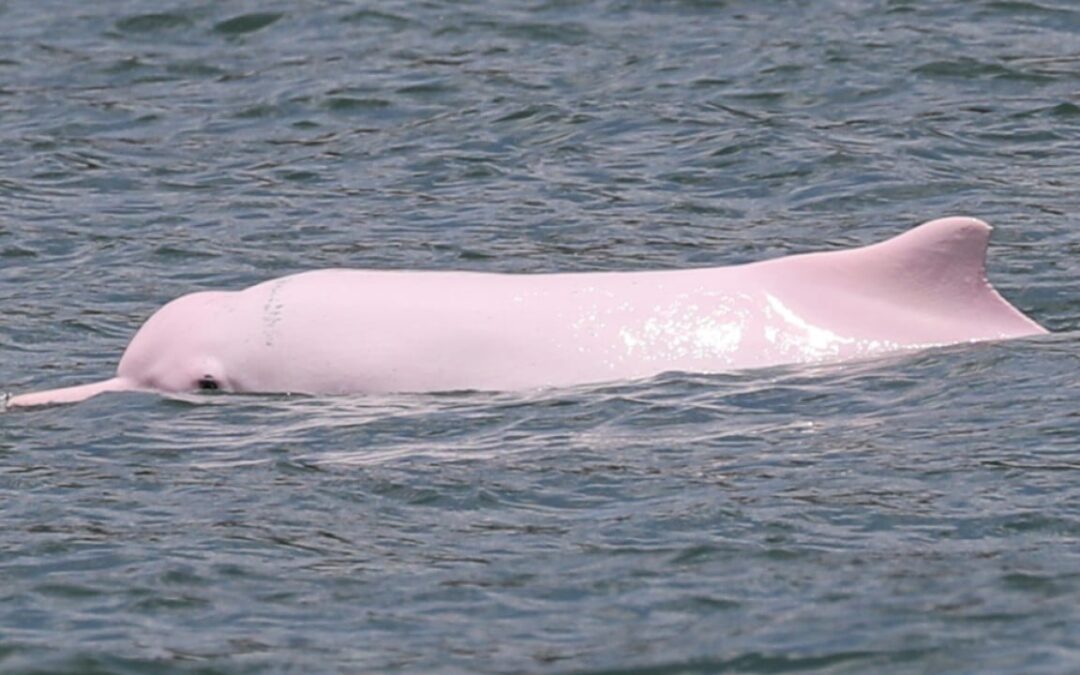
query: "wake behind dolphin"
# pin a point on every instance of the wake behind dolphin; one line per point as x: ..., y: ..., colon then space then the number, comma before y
x: 360, y: 331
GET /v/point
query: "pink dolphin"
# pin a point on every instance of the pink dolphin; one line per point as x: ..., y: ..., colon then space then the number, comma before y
x: 356, y: 331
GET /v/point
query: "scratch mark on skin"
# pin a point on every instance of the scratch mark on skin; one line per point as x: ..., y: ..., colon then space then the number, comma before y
x: 272, y: 313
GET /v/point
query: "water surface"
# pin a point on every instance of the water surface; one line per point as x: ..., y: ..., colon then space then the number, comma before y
x: 911, y: 514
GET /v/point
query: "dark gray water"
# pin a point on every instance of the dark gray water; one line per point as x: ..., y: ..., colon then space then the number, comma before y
x: 913, y: 514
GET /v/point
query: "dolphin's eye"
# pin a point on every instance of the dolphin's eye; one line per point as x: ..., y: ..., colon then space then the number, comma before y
x: 207, y: 383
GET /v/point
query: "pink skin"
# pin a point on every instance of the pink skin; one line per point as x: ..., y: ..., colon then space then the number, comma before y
x: 356, y: 331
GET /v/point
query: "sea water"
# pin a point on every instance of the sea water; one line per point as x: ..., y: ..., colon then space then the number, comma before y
x: 919, y: 513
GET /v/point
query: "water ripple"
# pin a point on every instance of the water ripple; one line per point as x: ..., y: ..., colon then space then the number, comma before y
x: 910, y: 513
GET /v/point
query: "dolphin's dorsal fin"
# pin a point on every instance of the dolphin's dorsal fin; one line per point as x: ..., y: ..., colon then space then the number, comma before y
x: 944, y: 258
x: 936, y: 270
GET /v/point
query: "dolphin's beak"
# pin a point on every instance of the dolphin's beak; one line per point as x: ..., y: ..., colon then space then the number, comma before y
x: 69, y: 394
